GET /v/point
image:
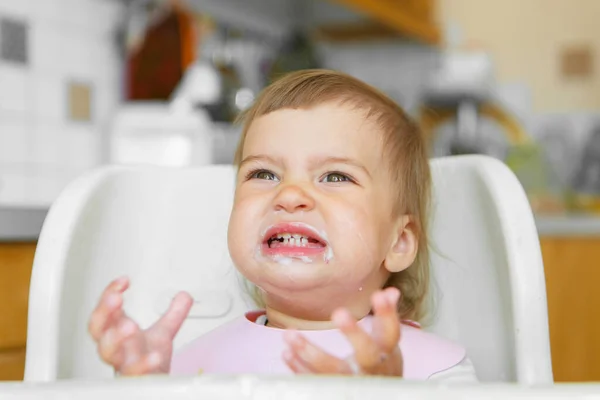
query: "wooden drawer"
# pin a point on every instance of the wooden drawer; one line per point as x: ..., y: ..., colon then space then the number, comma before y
x: 16, y: 261
x: 12, y: 365
x: 572, y: 268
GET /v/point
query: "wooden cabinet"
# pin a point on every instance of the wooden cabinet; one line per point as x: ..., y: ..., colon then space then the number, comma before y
x: 12, y: 364
x: 572, y: 266
x: 16, y: 260
x: 414, y: 18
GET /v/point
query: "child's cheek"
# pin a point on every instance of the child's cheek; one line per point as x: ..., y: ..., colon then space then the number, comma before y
x: 240, y: 236
x: 354, y: 232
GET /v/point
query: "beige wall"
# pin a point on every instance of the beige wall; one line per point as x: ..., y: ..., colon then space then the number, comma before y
x: 525, y: 38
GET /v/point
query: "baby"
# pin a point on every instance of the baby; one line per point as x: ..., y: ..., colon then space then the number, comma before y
x: 329, y: 224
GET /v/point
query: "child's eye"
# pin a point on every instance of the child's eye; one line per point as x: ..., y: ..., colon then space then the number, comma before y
x: 336, y: 177
x: 262, y: 174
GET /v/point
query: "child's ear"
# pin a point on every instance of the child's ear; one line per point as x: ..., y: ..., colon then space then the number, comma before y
x: 404, y: 245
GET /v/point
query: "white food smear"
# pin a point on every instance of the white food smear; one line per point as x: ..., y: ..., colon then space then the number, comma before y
x: 287, y: 260
x: 328, y: 256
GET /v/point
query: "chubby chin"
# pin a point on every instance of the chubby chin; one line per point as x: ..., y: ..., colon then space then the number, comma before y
x: 280, y: 275
x: 284, y: 277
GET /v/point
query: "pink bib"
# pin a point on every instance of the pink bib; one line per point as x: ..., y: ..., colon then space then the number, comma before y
x: 242, y: 346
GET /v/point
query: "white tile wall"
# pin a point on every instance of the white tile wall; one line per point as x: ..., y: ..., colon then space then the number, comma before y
x: 12, y: 188
x: 49, y: 97
x: 105, y: 100
x: 83, y: 144
x: 15, y: 140
x: 15, y: 89
x: 48, y: 143
x: 19, y: 8
x: 40, y: 149
x: 45, y: 47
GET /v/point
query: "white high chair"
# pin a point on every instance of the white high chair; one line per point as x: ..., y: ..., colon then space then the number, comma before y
x: 166, y: 229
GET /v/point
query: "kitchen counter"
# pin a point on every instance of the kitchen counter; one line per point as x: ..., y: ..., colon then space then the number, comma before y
x: 568, y: 225
x: 21, y: 224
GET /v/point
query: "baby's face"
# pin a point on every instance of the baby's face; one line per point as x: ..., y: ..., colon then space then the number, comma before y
x: 312, y: 211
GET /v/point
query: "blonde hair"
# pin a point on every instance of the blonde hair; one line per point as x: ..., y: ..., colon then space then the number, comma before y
x: 403, y: 146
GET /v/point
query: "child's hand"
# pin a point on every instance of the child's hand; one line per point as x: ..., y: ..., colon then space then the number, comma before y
x: 376, y: 354
x: 121, y: 342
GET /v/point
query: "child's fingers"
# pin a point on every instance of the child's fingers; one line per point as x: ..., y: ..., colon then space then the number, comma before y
x: 172, y: 320
x: 386, y: 324
x: 294, y: 363
x: 146, y: 365
x: 304, y: 355
x: 110, y: 301
x: 110, y: 346
x: 105, y: 315
x: 367, y: 353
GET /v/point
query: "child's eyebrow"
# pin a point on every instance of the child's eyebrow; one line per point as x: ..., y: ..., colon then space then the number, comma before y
x: 341, y: 160
x: 259, y: 157
x: 317, y: 162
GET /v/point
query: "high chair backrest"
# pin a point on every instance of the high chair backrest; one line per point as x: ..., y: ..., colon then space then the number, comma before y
x: 167, y: 230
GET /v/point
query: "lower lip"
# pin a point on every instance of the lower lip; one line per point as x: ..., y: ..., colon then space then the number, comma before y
x: 292, y: 251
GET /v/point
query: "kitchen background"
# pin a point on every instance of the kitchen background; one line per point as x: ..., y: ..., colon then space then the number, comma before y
x: 90, y: 82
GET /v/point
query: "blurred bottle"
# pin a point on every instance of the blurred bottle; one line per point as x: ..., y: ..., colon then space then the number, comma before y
x: 587, y: 180
x: 296, y: 53
x: 530, y: 163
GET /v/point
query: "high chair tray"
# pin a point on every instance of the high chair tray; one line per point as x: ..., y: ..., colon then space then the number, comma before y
x: 260, y: 388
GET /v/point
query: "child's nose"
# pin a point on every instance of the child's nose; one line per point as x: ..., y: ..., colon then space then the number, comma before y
x: 292, y: 198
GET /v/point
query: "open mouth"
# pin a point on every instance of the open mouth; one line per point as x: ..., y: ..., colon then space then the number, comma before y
x: 293, y: 239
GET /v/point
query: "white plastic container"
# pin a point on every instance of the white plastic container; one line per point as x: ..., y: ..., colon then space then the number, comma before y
x: 155, y: 133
